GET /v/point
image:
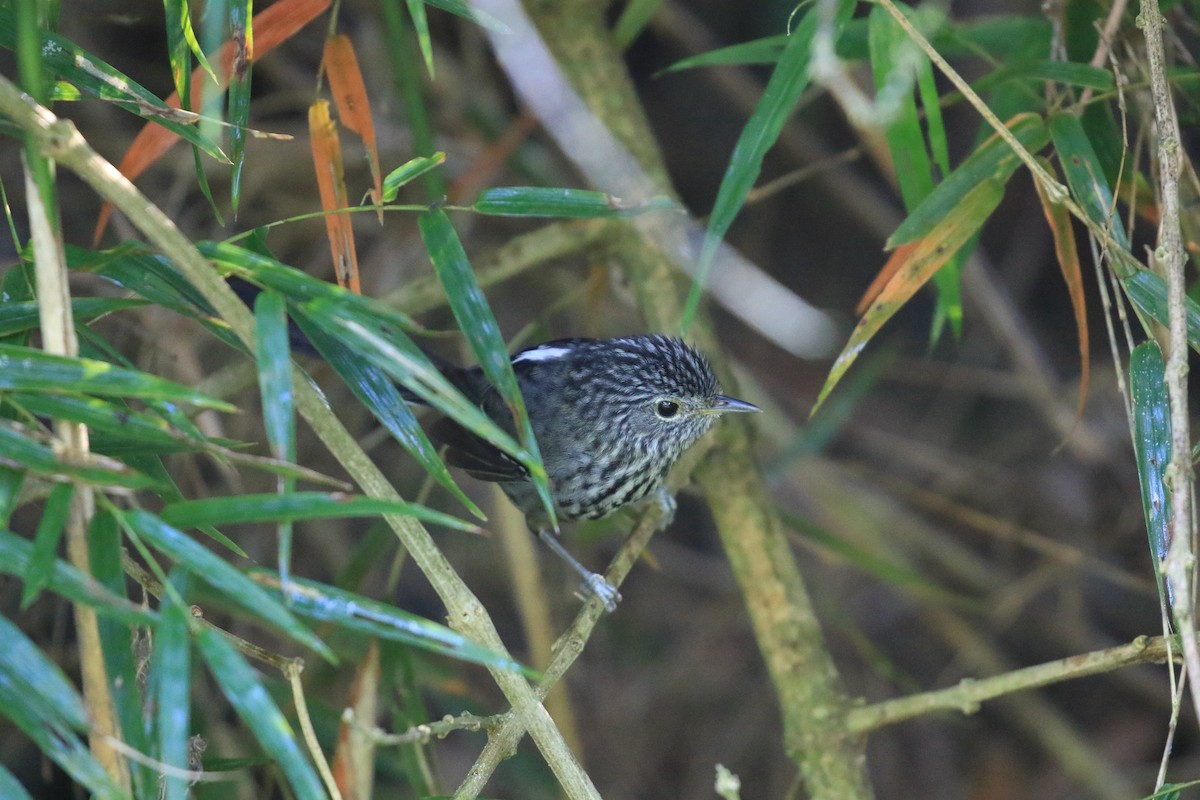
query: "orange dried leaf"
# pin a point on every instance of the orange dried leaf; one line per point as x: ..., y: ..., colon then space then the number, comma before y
x: 327, y: 160
x: 354, y: 758
x: 272, y: 27
x: 350, y: 95
x: 1068, y: 261
x: 926, y: 257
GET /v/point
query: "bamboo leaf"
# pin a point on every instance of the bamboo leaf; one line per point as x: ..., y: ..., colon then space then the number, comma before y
x: 27, y: 449
x: 238, y: 112
x: 11, y: 788
x: 379, y: 394
x: 408, y: 171
x: 33, y: 370
x: 1148, y: 291
x: 45, y: 542
x: 379, y: 620
x: 214, y: 571
x: 331, y: 183
x: 278, y: 23
x: 1152, y: 446
x: 19, y: 317
x: 555, y: 203
x: 479, y: 325
x: 170, y: 682
x: 782, y: 93
x: 295, y: 506
x: 923, y: 260
x: 15, y: 555
x: 246, y: 693
x: 354, y: 109
x: 416, y: 11
x: 97, y: 78
x: 993, y: 160
x: 1085, y: 174
x: 39, y: 699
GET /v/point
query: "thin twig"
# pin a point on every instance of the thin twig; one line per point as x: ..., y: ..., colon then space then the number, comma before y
x: 292, y: 672
x: 971, y: 692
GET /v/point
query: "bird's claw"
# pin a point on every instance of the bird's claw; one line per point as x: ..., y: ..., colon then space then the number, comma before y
x: 667, y: 505
x: 595, y: 585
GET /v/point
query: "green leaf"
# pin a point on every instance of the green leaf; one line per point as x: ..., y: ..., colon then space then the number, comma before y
x: 274, y: 362
x: 416, y: 10
x: 24, y: 448
x: 47, y: 691
x: 230, y: 582
x: 952, y: 233
x: 408, y: 171
x: 760, y: 51
x: 32, y: 370
x: 379, y: 394
x: 238, y: 112
x: 479, y: 325
x: 95, y: 77
x: 1152, y: 446
x: 557, y: 203
x: 254, y: 705
x: 11, y: 480
x: 992, y: 160
x: 296, y: 506
x: 633, y: 20
x: 273, y: 358
x: 179, y: 53
x: 462, y: 8
x: 1068, y: 73
x: 1085, y: 175
x: 17, y: 317
x: 326, y: 603
x: 11, y: 788
x: 788, y: 81
x: 1148, y: 291
x: 15, y: 555
x: 893, y: 63
x: 298, y: 287
x: 39, y: 699
x: 114, y: 426
x: 170, y: 682
x: 45, y: 542
x: 396, y: 355
x: 150, y: 275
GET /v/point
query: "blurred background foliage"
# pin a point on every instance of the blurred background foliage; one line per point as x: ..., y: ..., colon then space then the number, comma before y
x: 953, y: 511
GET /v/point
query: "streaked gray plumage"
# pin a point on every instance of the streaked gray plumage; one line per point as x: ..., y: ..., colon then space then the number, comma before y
x: 611, y: 417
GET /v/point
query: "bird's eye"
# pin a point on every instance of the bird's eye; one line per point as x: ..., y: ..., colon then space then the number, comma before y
x: 666, y: 408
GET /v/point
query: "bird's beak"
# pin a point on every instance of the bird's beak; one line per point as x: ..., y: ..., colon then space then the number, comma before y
x: 722, y: 404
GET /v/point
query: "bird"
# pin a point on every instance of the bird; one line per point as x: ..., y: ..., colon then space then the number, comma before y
x: 610, y: 416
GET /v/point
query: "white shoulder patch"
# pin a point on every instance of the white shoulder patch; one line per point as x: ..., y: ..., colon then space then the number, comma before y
x: 542, y: 354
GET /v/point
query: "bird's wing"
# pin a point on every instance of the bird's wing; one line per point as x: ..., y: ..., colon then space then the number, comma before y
x: 477, y: 457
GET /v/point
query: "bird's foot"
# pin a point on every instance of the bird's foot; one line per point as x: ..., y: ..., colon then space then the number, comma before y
x: 667, y: 506
x: 595, y: 585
